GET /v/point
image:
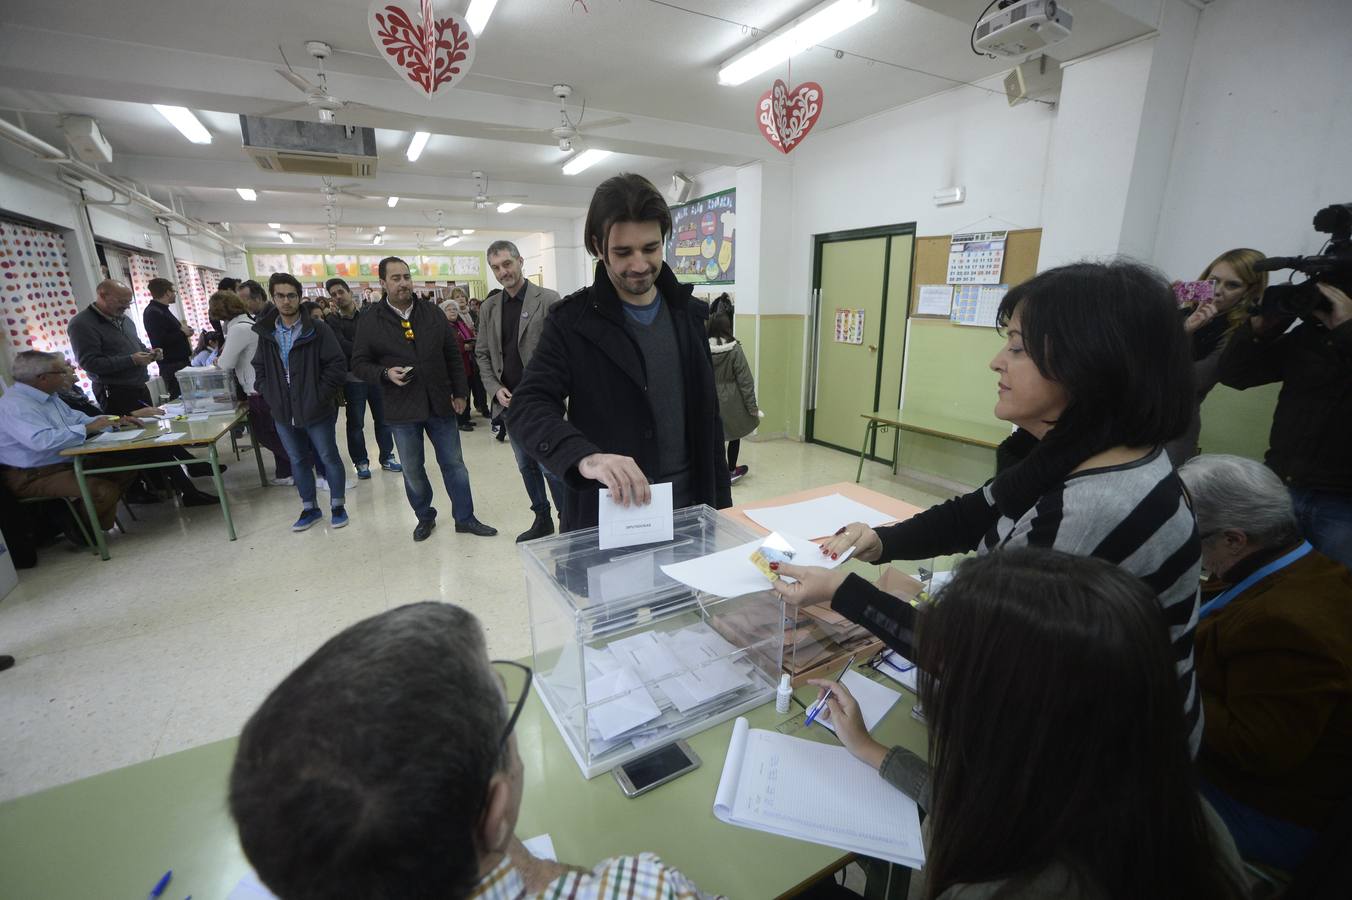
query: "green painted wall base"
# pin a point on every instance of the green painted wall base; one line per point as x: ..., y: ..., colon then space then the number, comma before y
x: 1238, y: 422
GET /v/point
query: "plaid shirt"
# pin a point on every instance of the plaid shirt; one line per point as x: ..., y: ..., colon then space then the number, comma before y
x: 286, y: 336
x: 642, y: 877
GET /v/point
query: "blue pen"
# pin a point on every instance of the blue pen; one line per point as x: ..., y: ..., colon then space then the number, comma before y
x: 821, y: 701
x: 160, y: 885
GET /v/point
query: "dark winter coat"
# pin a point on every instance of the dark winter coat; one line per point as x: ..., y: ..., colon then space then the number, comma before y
x: 318, y: 370
x: 434, y: 353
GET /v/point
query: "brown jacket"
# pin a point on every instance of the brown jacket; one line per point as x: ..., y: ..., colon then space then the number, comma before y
x: 1275, y: 670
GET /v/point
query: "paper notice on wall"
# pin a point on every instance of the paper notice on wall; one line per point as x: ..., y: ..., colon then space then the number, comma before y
x: 935, y: 300
x: 975, y: 304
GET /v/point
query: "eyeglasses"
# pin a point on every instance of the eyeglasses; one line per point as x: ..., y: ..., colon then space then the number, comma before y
x: 516, y: 679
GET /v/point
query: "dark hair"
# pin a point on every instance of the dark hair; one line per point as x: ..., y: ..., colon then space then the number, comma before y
x: 623, y: 198
x: 493, y: 293
x: 328, y: 285
x: 158, y: 287
x: 205, y: 339
x: 1057, y: 732
x: 311, y: 308
x: 277, y: 278
x: 385, y: 263
x: 1108, y: 334
x: 501, y: 246
x: 255, y: 289
x: 720, y: 328
x: 721, y: 304
x: 225, y: 305
x: 227, y: 284
x: 364, y: 772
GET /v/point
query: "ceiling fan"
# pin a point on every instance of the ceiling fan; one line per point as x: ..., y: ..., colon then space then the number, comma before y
x: 567, y: 132
x: 482, y: 199
x: 317, y: 96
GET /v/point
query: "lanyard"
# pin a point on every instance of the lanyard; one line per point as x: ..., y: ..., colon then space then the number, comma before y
x: 1216, y: 604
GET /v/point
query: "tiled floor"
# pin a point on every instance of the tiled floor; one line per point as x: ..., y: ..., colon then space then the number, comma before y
x: 175, y: 640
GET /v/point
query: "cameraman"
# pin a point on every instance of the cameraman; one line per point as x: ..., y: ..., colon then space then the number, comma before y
x: 1310, y: 446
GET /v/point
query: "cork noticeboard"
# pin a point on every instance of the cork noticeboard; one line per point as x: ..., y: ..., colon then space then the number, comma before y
x: 931, y: 261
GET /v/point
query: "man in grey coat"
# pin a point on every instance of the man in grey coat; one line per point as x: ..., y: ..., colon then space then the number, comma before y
x: 509, y: 328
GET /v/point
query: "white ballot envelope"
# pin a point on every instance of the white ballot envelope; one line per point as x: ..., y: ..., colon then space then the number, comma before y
x: 628, y: 526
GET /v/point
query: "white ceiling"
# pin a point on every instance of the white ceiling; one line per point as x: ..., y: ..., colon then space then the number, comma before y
x: 648, y: 61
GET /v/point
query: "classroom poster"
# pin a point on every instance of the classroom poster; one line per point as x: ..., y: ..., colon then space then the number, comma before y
x: 369, y: 266
x: 309, y: 267
x: 342, y: 266
x: 849, y: 326
x: 976, y: 258
x: 467, y: 265
x: 700, y: 247
x: 264, y: 264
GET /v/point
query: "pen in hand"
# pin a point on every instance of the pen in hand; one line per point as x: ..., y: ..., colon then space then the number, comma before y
x: 817, y: 707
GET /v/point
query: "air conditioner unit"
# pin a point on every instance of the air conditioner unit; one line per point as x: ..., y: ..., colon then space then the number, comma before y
x: 1023, y: 27
x: 1035, y: 79
x: 309, y: 148
x: 86, y: 139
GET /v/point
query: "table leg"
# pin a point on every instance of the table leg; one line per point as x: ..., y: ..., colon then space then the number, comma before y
x: 869, y: 427
x: 896, y: 448
x: 257, y: 449
x: 215, y: 460
x: 100, y: 539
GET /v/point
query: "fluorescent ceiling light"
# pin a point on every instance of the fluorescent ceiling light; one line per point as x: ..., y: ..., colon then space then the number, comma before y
x: 187, y: 124
x: 286, y: 237
x: 393, y: 201
x: 247, y: 194
x: 274, y: 225
x: 508, y: 207
x: 451, y: 241
x: 477, y: 16
x: 381, y: 229
x: 821, y: 24
x: 415, y: 146
x: 584, y: 160
x: 378, y: 240
x: 466, y: 230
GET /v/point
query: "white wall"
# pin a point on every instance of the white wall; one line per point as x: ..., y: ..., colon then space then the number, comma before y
x: 1264, y: 136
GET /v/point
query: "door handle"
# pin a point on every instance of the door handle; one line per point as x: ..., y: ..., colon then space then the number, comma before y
x: 872, y: 348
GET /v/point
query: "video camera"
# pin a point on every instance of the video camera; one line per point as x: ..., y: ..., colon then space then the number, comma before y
x: 1332, y: 266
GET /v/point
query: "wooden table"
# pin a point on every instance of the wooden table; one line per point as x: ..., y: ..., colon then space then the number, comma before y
x: 897, y: 509
x: 185, y: 433
x: 978, y: 434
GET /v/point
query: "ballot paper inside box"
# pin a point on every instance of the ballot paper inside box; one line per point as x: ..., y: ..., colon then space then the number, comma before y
x: 627, y: 658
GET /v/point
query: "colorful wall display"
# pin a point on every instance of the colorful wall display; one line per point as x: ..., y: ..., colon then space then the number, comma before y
x: 700, y: 247
x: 316, y: 267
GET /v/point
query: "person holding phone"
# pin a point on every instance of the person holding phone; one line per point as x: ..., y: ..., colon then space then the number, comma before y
x: 1237, y: 285
x: 1059, y: 762
x: 1097, y: 375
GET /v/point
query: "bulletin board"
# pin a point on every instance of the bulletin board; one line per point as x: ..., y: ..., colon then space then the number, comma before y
x: 931, y: 261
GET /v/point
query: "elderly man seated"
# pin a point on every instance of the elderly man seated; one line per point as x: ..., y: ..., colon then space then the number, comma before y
x: 1274, y: 664
x: 385, y: 766
x: 36, y: 425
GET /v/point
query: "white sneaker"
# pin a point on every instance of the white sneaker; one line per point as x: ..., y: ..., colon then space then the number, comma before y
x: 323, y: 484
x: 282, y: 482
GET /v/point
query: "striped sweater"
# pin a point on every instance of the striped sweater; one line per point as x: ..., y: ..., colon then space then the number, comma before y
x: 1135, y: 516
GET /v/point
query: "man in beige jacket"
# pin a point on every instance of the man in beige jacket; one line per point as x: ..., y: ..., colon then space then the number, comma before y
x: 509, y: 328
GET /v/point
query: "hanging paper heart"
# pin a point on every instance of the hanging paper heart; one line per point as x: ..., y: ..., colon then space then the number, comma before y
x: 786, y: 116
x: 428, y: 51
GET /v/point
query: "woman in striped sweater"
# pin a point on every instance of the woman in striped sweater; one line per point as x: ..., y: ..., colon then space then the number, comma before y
x: 1096, y: 371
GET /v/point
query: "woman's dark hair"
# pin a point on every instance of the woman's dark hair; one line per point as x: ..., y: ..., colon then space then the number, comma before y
x: 227, y: 284
x: 623, y: 198
x: 205, y: 339
x: 277, y: 278
x: 1057, y: 732
x: 1108, y: 334
x: 312, y: 309
x: 720, y: 328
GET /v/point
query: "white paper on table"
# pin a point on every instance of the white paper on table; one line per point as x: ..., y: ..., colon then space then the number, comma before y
x: 541, y: 847
x: 935, y: 300
x: 250, y: 888
x: 819, y: 517
x: 731, y: 573
x: 171, y: 436
x: 115, y: 437
x: 628, y: 526
x: 626, y: 711
x: 874, y: 699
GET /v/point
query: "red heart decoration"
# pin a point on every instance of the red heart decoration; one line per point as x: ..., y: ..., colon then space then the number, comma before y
x: 428, y: 51
x: 786, y: 116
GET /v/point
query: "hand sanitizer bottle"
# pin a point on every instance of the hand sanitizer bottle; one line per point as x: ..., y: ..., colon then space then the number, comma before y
x: 783, y: 694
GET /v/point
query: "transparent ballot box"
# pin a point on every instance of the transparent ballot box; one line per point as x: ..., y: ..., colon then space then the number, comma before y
x: 627, y: 658
x: 206, y: 389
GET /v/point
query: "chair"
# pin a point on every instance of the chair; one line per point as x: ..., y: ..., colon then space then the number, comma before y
x: 74, y: 514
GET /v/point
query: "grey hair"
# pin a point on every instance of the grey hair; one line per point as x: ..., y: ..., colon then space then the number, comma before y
x: 499, y: 246
x: 31, y: 364
x: 1235, y: 493
x: 449, y: 304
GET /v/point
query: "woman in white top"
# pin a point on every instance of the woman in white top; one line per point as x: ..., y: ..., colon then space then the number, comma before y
x: 241, y: 343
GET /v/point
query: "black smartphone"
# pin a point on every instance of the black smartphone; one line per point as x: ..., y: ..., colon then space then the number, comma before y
x: 642, y: 774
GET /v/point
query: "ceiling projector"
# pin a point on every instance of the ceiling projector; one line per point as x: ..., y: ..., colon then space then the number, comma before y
x: 1022, y: 27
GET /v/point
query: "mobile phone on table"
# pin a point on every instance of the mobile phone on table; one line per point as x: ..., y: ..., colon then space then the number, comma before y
x: 655, y: 768
x: 1190, y: 292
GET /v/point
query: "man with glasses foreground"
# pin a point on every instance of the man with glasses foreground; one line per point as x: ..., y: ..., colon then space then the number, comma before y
x: 386, y: 766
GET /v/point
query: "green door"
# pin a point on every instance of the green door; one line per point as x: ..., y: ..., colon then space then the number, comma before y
x: 852, y: 274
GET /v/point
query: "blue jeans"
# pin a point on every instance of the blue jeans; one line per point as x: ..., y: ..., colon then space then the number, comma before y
x: 358, y: 394
x: 1325, y: 519
x: 323, y: 438
x: 445, y: 434
x: 534, y: 475
x: 1259, y: 837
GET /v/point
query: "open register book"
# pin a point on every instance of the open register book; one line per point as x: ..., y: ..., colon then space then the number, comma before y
x: 818, y: 793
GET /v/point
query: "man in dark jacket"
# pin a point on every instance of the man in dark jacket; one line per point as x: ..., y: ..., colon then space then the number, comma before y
x: 107, y: 346
x: 343, y: 321
x: 620, y: 391
x: 166, y: 333
x: 300, y: 368
x: 1311, y: 442
x: 406, y: 346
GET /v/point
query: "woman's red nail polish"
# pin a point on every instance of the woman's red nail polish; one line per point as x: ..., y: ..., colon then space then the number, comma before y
x: 835, y: 556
